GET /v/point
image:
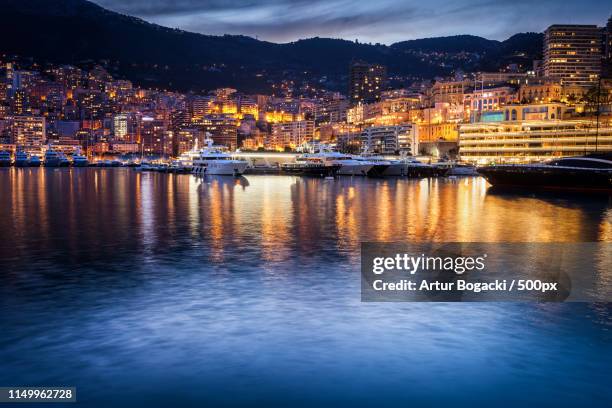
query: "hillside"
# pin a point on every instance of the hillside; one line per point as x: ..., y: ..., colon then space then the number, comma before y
x: 79, y: 31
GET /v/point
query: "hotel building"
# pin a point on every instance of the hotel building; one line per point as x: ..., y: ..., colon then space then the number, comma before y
x: 531, y: 140
x: 573, y: 53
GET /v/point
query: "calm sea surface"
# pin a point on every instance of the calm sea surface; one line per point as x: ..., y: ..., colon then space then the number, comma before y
x: 157, y: 290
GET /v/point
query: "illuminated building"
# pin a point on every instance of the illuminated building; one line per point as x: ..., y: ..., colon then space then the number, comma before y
x: 391, y: 139
x: 290, y: 134
x: 488, y: 99
x: 281, y: 116
x: 331, y: 111
x: 185, y: 140
x: 155, y: 137
x: 201, y: 106
x: 70, y: 77
x: 548, y: 111
x: 20, y: 103
x: 531, y: 140
x: 366, y: 82
x: 573, y: 53
x: 540, y: 92
x: 126, y: 148
x: 120, y: 127
x: 432, y: 132
x: 223, y: 129
x: 28, y: 131
x: 608, y: 50
x: 450, y: 91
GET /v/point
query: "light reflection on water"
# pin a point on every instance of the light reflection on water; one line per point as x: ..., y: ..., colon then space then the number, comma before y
x: 246, y: 291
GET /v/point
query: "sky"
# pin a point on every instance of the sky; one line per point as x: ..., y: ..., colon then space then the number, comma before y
x: 383, y: 21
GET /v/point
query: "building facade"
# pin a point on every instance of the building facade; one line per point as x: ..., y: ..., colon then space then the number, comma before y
x: 366, y: 82
x: 573, y: 53
x: 391, y: 139
x: 530, y: 141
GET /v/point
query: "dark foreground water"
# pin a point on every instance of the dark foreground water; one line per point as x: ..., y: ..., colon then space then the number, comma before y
x: 166, y: 291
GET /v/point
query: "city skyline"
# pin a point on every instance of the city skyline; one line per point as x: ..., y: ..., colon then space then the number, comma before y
x: 385, y: 22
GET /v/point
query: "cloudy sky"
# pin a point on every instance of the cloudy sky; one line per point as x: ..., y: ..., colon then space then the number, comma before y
x: 384, y: 21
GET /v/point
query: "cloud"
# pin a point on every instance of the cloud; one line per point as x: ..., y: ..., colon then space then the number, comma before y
x: 376, y: 21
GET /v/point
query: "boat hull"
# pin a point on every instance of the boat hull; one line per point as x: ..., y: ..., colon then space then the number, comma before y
x: 234, y: 168
x: 549, y: 179
x: 378, y: 170
x: 53, y: 163
x: 354, y: 169
x: 310, y: 170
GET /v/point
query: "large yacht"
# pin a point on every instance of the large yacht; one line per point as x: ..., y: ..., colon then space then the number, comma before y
x: 214, y: 160
x: 311, y: 165
x: 5, y: 158
x: 22, y: 159
x: 348, y: 165
x: 34, y: 161
x: 591, y: 172
x: 404, y: 167
x: 52, y: 158
x: 185, y: 160
x: 78, y: 160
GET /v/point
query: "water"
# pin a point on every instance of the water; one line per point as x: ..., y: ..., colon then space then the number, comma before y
x: 145, y: 289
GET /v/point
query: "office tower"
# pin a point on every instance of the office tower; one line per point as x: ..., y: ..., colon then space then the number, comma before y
x: 120, y: 127
x: 572, y: 54
x: 366, y: 82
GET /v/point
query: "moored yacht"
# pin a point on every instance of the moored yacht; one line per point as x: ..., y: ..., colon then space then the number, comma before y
x: 63, y: 160
x: 591, y: 172
x: 5, y: 158
x: 214, y: 160
x: 311, y: 166
x: 78, y: 160
x: 34, y: 161
x: 348, y: 165
x: 22, y: 159
x: 52, y: 158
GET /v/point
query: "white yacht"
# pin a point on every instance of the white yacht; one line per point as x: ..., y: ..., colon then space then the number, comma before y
x: 216, y: 161
x: 348, y: 165
x: 185, y: 160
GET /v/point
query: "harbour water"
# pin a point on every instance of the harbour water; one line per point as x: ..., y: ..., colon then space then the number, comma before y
x: 159, y: 290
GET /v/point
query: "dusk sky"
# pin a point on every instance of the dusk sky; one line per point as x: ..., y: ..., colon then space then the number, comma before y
x: 384, y: 21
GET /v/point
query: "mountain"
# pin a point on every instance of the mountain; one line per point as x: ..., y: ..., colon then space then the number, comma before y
x: 81, y: 32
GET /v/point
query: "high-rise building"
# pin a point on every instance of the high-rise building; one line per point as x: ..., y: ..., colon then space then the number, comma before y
x: 120, y: 127
x: 572, y: 54
x: 366, y: 82
x: 608, y: 50
x: 28, y: 131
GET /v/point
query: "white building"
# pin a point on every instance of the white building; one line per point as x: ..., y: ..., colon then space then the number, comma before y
x: 531, y: 140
